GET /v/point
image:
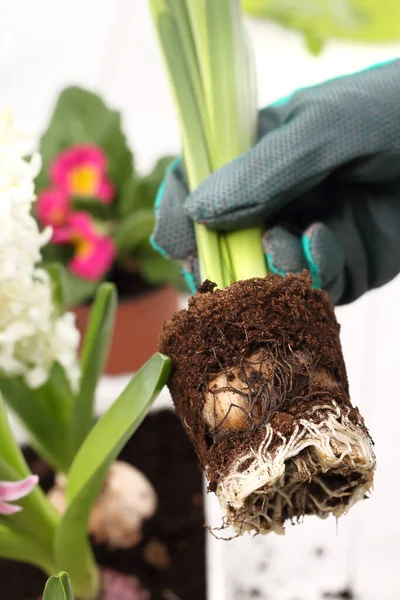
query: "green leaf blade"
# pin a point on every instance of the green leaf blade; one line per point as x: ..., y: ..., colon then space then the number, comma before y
x: 10, y: 451
x: 20, y: 547
x: 58, y: 279
x: 38, y: 518
x: 47, y: 434
x: 119, y: 422
x: 94, y: 355
x: 92, y: 464
x: 58, y: 587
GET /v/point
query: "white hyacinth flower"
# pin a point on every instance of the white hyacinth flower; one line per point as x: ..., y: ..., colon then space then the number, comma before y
x: 32, y: 333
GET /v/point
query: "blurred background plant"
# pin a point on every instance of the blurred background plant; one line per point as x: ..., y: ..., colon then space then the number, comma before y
x: 99, y: 208
x: 321, y: 20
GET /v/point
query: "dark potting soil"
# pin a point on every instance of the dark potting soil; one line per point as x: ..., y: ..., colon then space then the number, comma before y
x: 170, y: 559
x: 278, y: 316
x: 271, y: 347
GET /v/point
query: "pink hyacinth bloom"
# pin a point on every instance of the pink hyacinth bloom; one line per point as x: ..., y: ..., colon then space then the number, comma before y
x: 52, y: 207
x: 81, y: 171
x: 14, y: 490
x: 94, y: 253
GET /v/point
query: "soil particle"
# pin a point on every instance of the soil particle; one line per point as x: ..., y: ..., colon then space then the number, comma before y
x: 157, y: 555
x: 346, y: 594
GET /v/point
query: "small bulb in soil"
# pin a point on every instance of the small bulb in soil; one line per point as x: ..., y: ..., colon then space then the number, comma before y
x: 226, y: 405
x: 125, y: 502
x: 229, y: 403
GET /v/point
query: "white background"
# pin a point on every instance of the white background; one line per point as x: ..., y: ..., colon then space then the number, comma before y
x: 109, y: 46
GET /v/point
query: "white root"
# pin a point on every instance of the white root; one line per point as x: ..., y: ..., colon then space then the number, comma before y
x: 125, y: 502
x: 263, y: 487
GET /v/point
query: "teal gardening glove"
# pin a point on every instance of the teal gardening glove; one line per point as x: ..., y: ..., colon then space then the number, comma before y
x: 324, y: 178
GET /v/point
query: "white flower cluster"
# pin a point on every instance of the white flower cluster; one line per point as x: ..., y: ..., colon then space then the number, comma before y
x: 32, y: 333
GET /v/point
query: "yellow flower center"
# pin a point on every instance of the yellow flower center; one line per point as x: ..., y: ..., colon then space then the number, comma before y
x: 84, y: 181
x: 83, y: 248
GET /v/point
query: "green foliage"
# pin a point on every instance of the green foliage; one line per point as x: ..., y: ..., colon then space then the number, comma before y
x: 28, y: 536
x: 319, y: 20
x: 211, y: 72
x: 38, y: 535
x: 58, y: 587
x: 44, y: 422
x: 93, y: 359
x: 140, y: 192
x: 89, y: 469
x: 56, y: 418
x: 82, y: 117
x: 21, y: 547
x: 78, y: 290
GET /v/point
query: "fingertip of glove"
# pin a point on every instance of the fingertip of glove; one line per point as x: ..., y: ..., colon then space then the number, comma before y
x: 283, y: 251
x: 190, y: 280
x: 312, y: 265
x: 161, y: 190
x: 159, y: 196
x: 173, y: 165
x: 272, y: 268
x: 325, y: 259
x: 157, y: 247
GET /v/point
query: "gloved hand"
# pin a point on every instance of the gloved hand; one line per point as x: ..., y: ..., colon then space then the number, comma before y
x: 324, y: 178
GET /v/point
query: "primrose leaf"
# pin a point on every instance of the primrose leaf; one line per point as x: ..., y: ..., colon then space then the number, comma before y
x: 58, y: 588
x: 95, y: 457
x: 157, y: 270
x: 134, y: 231
x: 78, y: 290
x: 140, y: 192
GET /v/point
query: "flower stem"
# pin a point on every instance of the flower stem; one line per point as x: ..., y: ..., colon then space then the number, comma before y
x: 212, y: 79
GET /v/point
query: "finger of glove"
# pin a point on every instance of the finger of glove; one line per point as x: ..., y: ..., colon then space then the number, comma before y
x: 324, y: 127
x: 326, y: 260
x: 317, y: 250
x: 283, y: 251
x: 191, y: 274
x: 173, y: 233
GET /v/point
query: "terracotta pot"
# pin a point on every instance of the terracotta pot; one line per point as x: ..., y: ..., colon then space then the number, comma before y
x: 137, y: 327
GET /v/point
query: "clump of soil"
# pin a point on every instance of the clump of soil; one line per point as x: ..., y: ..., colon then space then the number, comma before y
x: 346, y: 594
x: 260, y: 385
x: 170, y: 559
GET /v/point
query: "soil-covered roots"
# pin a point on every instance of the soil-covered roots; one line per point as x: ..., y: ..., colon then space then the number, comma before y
x: 260, y: 385
x: 324, y: 467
